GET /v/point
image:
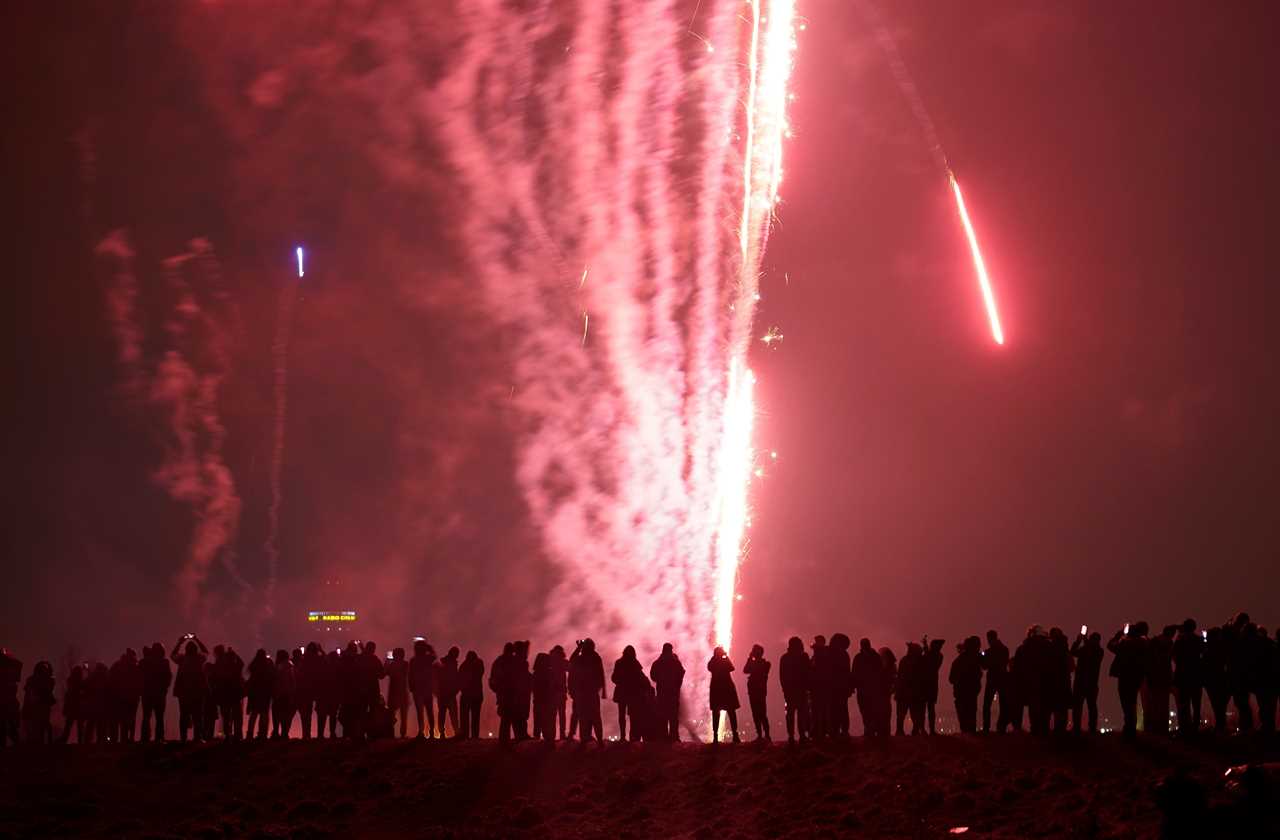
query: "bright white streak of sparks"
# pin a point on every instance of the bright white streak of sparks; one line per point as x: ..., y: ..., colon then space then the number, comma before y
x: 988, y: 296
x: 768, y: 72
x: 299, y: 252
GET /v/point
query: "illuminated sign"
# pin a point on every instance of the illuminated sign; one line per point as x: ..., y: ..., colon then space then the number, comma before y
x: 331, y: 616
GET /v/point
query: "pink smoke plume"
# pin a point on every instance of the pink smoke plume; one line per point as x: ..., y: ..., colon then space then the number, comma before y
x: 183, y: 388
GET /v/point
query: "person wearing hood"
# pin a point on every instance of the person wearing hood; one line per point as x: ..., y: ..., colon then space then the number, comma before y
x: 966, y: 683
x: 930, y: 668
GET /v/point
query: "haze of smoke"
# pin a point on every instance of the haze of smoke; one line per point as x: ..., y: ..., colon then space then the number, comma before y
x: 184, y: 390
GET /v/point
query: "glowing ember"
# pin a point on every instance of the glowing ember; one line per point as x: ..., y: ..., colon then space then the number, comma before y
x: 735, y: 474
x: 988, y: 296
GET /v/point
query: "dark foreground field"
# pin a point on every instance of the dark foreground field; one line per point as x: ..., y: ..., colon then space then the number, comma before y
x: 1013, y: 786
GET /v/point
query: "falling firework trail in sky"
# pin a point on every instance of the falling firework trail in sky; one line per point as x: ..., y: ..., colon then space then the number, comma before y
x: 988, y: 298
x: 908, y: 87
x: 280, y: 353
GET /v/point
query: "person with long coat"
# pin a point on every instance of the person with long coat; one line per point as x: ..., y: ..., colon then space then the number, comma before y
x: 628, y: 692
x: 866, y: 676
x: 471, y: 694
x: 586, y: 687
x: 724, y: 694
x: 795, y: 673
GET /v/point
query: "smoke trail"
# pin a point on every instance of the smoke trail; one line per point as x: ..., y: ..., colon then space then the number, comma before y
x: 184, y: 390
x: 902, y: 76
x: 280, y: 354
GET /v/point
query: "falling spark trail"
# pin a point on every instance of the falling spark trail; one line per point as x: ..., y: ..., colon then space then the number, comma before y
x: 988, y: 297
x: 907, y: 85
x: 280, y: 354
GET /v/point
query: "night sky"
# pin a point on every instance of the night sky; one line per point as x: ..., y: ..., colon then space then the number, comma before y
x: 1115, y: 460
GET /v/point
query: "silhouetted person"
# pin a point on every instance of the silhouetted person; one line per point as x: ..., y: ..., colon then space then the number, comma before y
x: 1059, y: 664
x: 558, y: 664
x: 370, y: 672
x: 398, y: 688
x: 628, y: 691
x: 544, y: 717
x: 1244, y: 667
x: 889, y: 668
x: 1269, y: 682
x: 820, y: 679
x: 868, y: 681
x: 1128, y: 666
x: 1159, y: 681
x: 124, y: 687
x: 1188, y: 682
x: 1031, y: 672
x: 1084, y: 691
x: 282, y: 695
x: 667, y: 674
x: 930, y: 668
x: 499, y: 685
x: 310, y: 674
x: 422, y: 674
x: 1213, y: 670
x: 329, y: 696
x: 965, y: 677
x: 724, y: 694
x: 190, y: 685
x: 757, y: 670
x: 226, y: 684
x: 73, y: 705
x: 587, y: 688
x: 10, y: 676
x: 37, y: 705
x: 795, y: 673
x: 471, y: 694
x: 261, y: 689
x: 908, y: 690
x: 157, y: 676
x: 841, y: 684
x: 520, y: 691
x: 97, y: 702
x: 995, y: 662
x: 447, y: 692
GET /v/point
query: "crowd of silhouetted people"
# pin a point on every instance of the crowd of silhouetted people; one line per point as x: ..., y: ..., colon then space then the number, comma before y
x: 1048, y: 681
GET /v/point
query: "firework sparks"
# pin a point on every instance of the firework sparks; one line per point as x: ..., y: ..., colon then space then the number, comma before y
x: 768, y: 71
x: 299, y: 253
x: 988, y: 297
x: 772, y: 337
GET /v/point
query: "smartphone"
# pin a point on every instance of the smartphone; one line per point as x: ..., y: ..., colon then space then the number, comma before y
x: 1204, y: 634
x: 1126, y: 628
x: 1084, y: 629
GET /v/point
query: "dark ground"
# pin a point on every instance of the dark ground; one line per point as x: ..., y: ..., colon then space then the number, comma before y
x: 1012, y: 786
